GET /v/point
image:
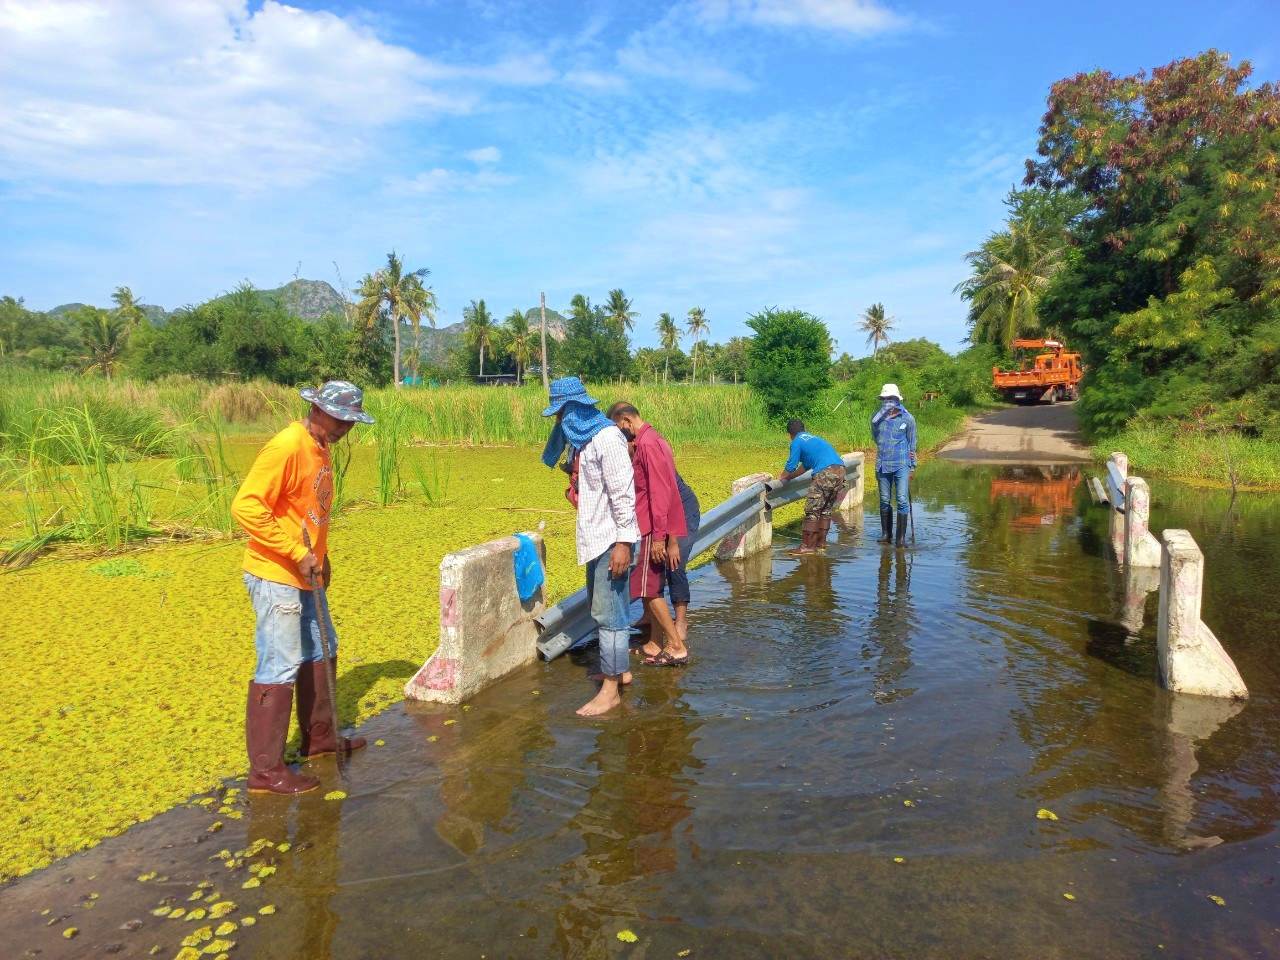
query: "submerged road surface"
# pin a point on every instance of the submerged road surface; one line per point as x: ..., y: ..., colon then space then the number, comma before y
x: 1045, y: 433
x: 956, y: 751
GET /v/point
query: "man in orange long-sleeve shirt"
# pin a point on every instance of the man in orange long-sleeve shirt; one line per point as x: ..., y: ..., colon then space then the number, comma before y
x: 290, y: 488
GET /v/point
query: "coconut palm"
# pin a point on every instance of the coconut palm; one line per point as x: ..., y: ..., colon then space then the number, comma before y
x: 103, y: 335
x: 697, y: 326
x: 619, y: 310
x: 402, y: 296
x: 669, y: 336
x: 876, y: 324
x: 480, y: 329
x: 1010, y: 272
x: 519, y: 340
x: 128, y: 308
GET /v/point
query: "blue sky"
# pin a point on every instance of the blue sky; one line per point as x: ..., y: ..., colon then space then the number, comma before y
x: 732, y: 154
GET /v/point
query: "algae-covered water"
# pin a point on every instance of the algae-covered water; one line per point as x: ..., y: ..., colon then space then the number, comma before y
x: 958, y: 750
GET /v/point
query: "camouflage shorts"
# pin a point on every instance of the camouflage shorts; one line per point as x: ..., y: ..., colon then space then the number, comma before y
x: 825, y: 492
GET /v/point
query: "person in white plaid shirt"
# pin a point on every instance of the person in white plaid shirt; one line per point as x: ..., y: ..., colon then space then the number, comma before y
x: 603, y: 490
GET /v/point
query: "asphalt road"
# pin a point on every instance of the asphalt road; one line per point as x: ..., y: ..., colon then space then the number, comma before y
x: 1033, y: 434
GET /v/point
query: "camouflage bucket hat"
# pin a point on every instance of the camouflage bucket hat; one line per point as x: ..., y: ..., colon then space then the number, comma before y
x: 339, y: 399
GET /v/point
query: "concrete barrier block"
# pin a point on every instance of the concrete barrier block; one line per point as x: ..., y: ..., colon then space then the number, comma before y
x: 855, y: 473
x: 485, y: 629
x: 1121, y: 461
x: 755, y: 536
x: 1141, y: 549
x: 1191, y: 658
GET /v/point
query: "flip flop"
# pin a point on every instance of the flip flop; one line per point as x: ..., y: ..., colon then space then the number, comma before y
x: 665, y: 659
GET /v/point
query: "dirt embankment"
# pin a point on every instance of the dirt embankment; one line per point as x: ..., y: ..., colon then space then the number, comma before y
x: 1035, y: 434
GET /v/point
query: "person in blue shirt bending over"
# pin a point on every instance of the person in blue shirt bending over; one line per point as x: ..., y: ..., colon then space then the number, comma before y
x: 894, y: 433
x: 810, y: 452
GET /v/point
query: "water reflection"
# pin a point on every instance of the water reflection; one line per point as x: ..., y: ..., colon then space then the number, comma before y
x: 891, y: 626
x: 306, y: 878
x: 1044, y: 494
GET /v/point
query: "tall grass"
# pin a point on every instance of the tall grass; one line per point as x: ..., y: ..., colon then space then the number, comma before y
x: 390, y: 428
x: 1182, y: 452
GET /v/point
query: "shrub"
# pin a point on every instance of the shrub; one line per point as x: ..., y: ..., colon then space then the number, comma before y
x: 788, y: 361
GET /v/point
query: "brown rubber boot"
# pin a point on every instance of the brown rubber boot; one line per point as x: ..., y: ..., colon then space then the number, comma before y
x: 808, y: 538
x: 820, y: 538
x: 319, y: 739
x: 266, y: 726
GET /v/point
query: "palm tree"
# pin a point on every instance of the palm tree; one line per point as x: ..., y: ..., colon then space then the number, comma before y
x: 697, y: 326
x: 876, y: 324
x: 669, y: 335
x: 1010, y: 272
x: 619, y: 310
x: 480, y: 328
x: 403, y: 297
x: 127, y: 307
x: 519, y: 340
x: 103, y: 334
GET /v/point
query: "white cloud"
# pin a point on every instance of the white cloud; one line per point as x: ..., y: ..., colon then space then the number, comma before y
x: 444, y: 180
x: 857, y: 17
x: 484, y: 155
x: 210, y: 92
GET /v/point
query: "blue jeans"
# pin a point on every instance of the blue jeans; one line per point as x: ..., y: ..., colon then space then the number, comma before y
x: 678, y: 579
x: 901, y: 478
x: 610, y: 599
x: 287, y: 633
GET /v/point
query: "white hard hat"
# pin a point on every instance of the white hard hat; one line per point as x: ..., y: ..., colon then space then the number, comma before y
x: 890, y: 390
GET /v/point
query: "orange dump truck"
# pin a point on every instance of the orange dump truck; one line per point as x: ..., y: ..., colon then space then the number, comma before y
x: 1048, y: 376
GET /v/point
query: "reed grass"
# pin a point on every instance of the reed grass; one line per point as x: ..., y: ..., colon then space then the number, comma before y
x: 1210, y: 458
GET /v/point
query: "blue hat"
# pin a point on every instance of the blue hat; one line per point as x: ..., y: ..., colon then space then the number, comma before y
x: 567, y: 390
x: 339, y: 399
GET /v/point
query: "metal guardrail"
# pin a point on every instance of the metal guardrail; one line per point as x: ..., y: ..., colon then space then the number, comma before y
x: 569, y: 621
x: 1115, y: 486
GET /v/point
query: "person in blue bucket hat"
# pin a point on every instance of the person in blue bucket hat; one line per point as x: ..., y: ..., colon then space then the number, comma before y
x: 602, y: 487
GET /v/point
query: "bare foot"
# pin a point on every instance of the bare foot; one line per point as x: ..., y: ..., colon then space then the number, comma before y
x: 800, y: 552
x: 651, y: 649
x: 602, y: 702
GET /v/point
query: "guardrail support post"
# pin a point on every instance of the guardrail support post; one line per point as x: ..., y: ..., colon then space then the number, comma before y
x: 1121, y: 461
x: 1141, y: 549
x: 756, y: 535
x: 1191, y: 658
x: 855, y: 483
x: 485, y: 629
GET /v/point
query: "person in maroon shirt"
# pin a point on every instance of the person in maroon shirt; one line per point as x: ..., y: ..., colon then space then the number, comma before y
x: 661, y: 518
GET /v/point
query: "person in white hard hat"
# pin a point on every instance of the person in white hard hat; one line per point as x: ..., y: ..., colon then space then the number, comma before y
x: 894, y: 431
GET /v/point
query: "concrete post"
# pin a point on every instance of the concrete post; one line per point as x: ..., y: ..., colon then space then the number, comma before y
x: 1121, y: 461
x: 1141, y: 549
x: 485, y: 629
x: 855, y: 480
x: 756, y: 535
x: 1136, y: 584
x: 1191, y: 658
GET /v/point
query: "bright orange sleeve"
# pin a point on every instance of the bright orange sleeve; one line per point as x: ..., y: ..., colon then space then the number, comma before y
x: 254, y: 507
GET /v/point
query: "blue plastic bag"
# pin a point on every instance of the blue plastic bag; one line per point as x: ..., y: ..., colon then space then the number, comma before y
x: 529, y: 574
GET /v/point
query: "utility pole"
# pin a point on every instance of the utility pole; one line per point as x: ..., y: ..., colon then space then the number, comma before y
x: 546, y: 380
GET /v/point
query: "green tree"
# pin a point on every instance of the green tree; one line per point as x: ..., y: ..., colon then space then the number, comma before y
x: 619, y: 311
x: 669, y: 337
x: 594, y: 348
x: 402, y: 297
x: 697, y: 327
x: 1173, y: 289
x: 103, y: 336
x: 731, y: 360
x: 127, y: 308
x: 519, y: 341
x: 876, y: 324
x: 788, y: 361
x: 480, y: 330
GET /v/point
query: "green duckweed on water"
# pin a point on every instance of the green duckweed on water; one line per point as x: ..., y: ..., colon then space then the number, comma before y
x: 132, y: 669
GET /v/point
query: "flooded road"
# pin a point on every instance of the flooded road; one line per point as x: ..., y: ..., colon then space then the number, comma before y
x: 958, y: 750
